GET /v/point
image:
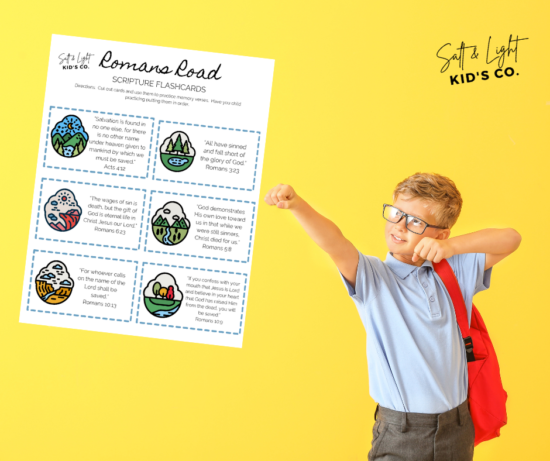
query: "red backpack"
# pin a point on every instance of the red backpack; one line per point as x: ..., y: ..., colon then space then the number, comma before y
x: 486, y: 396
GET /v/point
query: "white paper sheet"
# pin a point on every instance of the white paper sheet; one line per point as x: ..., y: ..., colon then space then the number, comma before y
x: 146, y: 191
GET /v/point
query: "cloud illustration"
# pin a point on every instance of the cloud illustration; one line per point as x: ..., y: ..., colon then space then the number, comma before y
x: 55, y: 274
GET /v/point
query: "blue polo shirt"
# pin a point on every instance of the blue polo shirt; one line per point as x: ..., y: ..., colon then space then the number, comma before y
x: 416, y: 357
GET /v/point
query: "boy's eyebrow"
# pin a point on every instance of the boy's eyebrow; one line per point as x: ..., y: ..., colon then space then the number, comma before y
x: 421, y: 217
x: 414, y: 216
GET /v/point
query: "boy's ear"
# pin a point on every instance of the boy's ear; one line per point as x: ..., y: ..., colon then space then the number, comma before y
x: 443, y: 234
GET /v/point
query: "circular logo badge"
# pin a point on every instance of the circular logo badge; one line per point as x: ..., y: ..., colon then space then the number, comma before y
x: 162, y: 297
x: 68, y: 137
x: 169, y: 224
x: 62, y: 211
x: 176, y: 152
x: 53, y: 283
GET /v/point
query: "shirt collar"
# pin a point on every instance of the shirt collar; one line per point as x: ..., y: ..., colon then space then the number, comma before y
x: 402, y: 269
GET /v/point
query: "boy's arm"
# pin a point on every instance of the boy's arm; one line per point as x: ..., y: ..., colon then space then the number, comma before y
x: 495, y: 243
x: 321, y: 230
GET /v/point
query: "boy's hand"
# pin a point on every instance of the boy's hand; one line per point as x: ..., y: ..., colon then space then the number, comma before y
x: 322, y: 231
x: 283, y: 196
x: 432, y: 250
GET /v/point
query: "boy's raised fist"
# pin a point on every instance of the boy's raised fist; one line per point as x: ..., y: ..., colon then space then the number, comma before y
x: 283, y: 196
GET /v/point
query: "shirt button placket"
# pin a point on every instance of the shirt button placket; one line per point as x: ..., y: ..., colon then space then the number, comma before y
x: 424, y: 284
x: 434, y: 307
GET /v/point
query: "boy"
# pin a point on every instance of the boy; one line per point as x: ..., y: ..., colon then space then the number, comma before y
x: 416, y: 356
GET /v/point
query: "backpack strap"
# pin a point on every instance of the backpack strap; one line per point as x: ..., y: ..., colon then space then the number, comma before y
x: 445, y: 271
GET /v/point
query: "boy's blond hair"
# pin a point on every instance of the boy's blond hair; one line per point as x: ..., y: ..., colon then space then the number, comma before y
x: 434, y: 189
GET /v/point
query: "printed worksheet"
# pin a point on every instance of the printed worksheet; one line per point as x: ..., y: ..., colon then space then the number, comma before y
x: 146, y: 192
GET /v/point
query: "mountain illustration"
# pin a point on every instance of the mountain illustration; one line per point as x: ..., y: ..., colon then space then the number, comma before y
x: 161, y: 222
x: 181, y: 224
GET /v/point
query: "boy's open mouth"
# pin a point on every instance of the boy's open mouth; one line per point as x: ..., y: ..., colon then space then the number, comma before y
x: 397, y: 239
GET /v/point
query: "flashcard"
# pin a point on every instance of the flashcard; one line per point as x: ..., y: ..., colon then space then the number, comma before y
x: 146, y: 192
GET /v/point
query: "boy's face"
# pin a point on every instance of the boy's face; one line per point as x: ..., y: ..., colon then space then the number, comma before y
x: 401, y: 241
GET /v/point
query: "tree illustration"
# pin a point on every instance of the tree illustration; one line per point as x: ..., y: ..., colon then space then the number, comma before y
x: 178, y: 147
x: 156, y: 289
x: 60, y: 150
x: 170, y: 147
x: 80, y: 147
x: 170, y: 293
x: 186, y: 148
x: 163, y: 292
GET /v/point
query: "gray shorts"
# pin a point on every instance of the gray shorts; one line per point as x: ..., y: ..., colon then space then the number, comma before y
x: 447, y: 436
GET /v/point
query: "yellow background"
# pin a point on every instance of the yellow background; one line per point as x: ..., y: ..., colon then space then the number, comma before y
x: 358, y: 104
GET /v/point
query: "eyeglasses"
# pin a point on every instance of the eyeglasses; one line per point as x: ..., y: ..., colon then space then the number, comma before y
x: 414, y: 224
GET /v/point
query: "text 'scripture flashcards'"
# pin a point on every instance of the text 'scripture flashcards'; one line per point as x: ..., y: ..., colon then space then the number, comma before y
x: 146, y: 191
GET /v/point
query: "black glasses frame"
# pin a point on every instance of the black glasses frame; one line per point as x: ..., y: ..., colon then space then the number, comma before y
x: 406, y: 220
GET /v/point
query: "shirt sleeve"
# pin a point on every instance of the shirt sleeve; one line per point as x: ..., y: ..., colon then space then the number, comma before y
x: 472, y: 277
x: 367, y: 280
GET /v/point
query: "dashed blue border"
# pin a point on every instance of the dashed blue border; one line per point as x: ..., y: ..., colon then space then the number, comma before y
x: 216, y: 128
x: 84, y: 243
x: 104, y: 113
x: 195, y: 256
x: 78, y: 315
x: 191, y: 328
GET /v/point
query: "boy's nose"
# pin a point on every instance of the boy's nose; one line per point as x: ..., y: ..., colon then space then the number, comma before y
x: 401, y: 225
